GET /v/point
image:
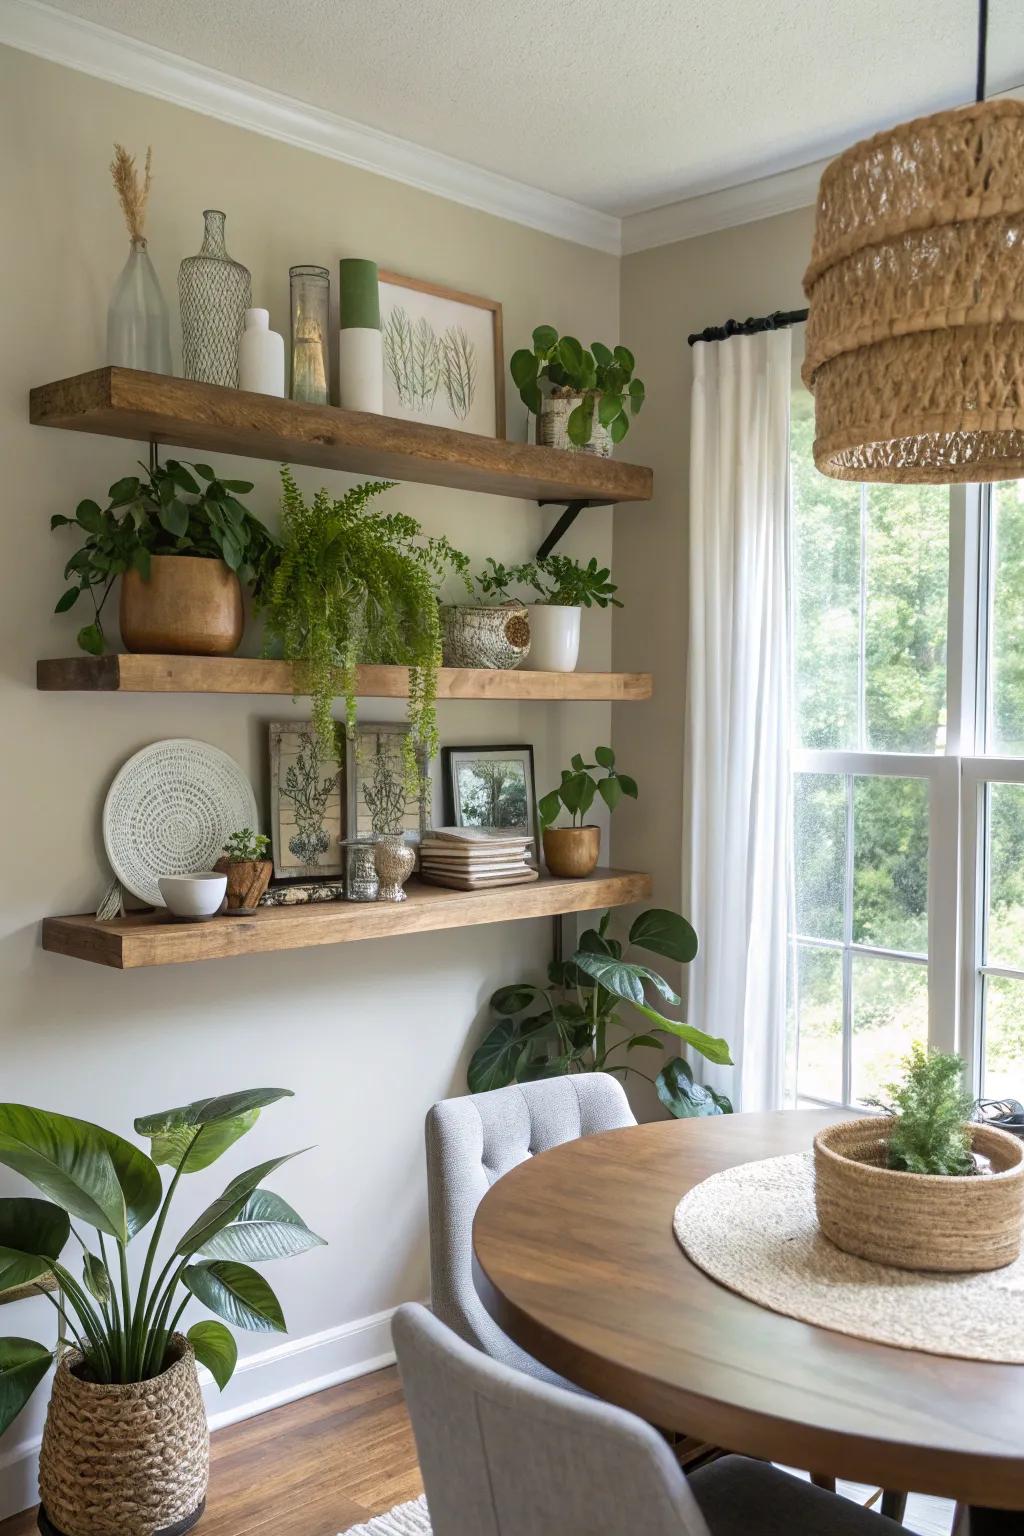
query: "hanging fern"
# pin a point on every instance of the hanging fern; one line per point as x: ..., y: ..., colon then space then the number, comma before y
x: 357, y: 585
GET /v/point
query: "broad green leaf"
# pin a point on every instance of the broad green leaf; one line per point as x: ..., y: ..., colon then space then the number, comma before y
x: 125, y: 490
x: 610, y: 790
x: 18, y: 1268
x: 220, y: 1122
x: 618, y: 428
x: 202, y: 1144
x: 265, y: 1228
x: 628, y: 785
x: 215, y: 1347
x: 141, y: 561
x: 523, y: 366
x: 637, y: 395
x: 645, y: 1042
x: 625, y: 979
x: 90, y: 639
x: 681, y: 1096
x: 68, y: 599
x: 182, y: 478
x: 32, y: 1234
x: 513, y: 999
x: 96, y: 1278
x: 708, y: 1046
x: 580, y: 425
x: 89, y: 516
x: 625, y: 357
x: 237, y: 1294
x: 593, y: 942
x: 496, y: 1059
x: 532, y: 398
x: 173, y: 514
x: 664, y: 933
x: 602, y: 354
x: 577, y: 793
x: 549, y: 807
x: 539, y: 1067
x: 58, y: 520
x: 204, y: 471
x: 240, y: 487
x: 610, y: 406
x: 228, y: 1205
x: 23, y: 1364
x: 545, y: 337
x: 604, y: 756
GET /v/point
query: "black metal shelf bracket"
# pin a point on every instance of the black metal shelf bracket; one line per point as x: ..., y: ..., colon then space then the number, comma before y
x: 564, y: 523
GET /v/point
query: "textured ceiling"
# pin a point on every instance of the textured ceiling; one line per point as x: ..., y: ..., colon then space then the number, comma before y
x: 621, y: 105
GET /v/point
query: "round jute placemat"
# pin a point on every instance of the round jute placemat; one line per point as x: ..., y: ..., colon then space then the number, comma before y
x: 753, y: 1229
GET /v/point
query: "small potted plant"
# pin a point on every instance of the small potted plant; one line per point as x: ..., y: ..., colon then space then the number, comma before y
x: 126, y: 1444
x: 565, y: 587
x: 248, y: 870
x: 588, y: 396
x: 494, y: 633
x: 572, y: 852
x: 182, y: 543
x: 921, y: 1187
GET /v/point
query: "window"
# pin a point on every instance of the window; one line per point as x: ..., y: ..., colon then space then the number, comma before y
x: 908, y: 780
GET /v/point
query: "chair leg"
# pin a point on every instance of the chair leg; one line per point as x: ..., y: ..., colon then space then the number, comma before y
x: 821, y: 1481
x: 894, y: 1504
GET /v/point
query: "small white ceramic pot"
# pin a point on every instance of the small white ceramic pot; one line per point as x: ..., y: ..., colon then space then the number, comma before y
x: 554, y: 638
x: 196, y: 897
x: 362, y: 369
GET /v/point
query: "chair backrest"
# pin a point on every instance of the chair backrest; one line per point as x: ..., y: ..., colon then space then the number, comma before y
x: 505, y: 1455
x: 471, y: 1142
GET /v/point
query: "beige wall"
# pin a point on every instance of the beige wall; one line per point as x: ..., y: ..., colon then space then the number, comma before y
x: 667, y: 294
x: 367, y: 1035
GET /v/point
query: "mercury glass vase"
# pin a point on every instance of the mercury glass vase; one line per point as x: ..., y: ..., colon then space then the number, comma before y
x: 310, y: 309
x: 361, y: 882
x: 138, y: 325
x: 214, y: 293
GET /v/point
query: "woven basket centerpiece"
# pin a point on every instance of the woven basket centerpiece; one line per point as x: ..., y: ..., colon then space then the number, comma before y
x: 125, y: 1460
x: 915, y: 332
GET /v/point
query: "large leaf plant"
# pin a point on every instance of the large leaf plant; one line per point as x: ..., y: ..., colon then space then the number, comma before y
x: 579, y: 1022
x: 94, y: 1178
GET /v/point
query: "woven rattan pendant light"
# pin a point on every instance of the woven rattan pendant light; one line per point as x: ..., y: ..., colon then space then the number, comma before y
x: 915, y: 331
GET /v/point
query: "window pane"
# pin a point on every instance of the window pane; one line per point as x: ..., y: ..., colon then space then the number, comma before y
x: 1007, y: 628
x: 890, y: 1012
x: 817, y: 993
x: 1004, y: 928
x: 826, y: 592
x: 1003, y: 1036
x: 907, y: 580
x: 819, y: 828
x: 890, y: 863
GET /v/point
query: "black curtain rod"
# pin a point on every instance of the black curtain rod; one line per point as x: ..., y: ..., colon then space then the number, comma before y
x: 776, y: 322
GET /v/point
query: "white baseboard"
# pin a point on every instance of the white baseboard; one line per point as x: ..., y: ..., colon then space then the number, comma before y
x: 264, y: 1380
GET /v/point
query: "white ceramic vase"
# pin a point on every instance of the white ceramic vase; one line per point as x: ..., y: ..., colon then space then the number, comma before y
x: 362, y: 369
x: 554, y: 638
x: 260, y: 355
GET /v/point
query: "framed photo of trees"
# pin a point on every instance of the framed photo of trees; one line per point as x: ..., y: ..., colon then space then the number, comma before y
x: 490, y: 787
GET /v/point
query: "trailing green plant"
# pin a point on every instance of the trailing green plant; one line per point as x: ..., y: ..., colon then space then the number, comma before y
x: 602, y: 375
x: 96, y: 1178
x: 579, y: 1021
x: 167, y: 511
x: 353, y: 585
x: 246, y: 846
x: 578, y: 788
x: 932, y: 1111
x: 558, y: 579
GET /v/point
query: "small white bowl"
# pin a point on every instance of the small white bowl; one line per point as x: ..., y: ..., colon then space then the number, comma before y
x: 196, y: 897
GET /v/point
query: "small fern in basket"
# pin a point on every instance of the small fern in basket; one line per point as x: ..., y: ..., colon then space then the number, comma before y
x: 932, y: 1112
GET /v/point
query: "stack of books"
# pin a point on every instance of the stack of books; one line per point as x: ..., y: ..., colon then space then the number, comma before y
x: 474, y: 858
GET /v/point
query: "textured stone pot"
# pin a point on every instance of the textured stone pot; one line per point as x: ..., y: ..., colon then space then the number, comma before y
x: 125, y: 1460
x: 394, y: 861
x: 916, y: 1220
x: 572, y: 852
x: 247, y: 881
x: 189, y: 607
x: 498, y: 638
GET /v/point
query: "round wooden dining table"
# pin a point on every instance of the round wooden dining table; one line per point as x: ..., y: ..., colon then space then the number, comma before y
x: 575, y: 1258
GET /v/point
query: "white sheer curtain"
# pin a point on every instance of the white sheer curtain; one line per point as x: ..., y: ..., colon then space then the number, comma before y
x: 737, y: 719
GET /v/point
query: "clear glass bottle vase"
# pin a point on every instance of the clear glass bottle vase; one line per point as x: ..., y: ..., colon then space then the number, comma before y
x: 138, y: 324
x: 214, y: 293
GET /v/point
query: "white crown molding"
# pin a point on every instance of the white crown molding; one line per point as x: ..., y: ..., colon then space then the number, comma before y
x: 83, y: 45
x: 724, y: 209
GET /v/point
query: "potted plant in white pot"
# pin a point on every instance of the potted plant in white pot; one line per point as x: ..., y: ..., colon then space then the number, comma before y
x: 572, y: 852
x: 583, y: 398
x: 182, y: 544
x: 126, y: 1445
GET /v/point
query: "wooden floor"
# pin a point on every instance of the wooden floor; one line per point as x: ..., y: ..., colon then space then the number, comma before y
x: 318, y: 1466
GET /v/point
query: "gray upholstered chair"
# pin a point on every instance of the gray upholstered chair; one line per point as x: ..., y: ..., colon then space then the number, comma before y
x: 471, y: 1142
x: 505, y: 1455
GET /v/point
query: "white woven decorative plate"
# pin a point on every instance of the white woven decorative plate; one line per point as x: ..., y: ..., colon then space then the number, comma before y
x: 169, y: 811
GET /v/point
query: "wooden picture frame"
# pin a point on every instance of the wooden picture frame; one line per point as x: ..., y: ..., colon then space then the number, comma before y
x: 454, y: 759
x: 442, y: 409
x: 306, y: 817
x: 360, y: 751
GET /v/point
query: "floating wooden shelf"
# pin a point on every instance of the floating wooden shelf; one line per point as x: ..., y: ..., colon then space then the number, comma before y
x: 239, y: 674
x: 154, y: 938
x: 150, y: 407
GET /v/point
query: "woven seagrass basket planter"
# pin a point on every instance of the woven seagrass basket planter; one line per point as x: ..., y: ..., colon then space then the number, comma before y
x: 915, y: 336
x: 914, y: 1220
x: 125, y: 1460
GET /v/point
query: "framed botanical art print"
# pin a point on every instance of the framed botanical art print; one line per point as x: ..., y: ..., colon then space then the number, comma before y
x: 489, y: 787
x: 377, y: 800
x: 444, y: 356
x: 307, y: 803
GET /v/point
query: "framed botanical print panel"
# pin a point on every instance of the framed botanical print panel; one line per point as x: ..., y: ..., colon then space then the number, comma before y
x: 444, y: 356
x: 377, y: 800
x: 307, y: 803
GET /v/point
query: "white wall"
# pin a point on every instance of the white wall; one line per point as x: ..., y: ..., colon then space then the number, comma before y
x: 367, y: 1035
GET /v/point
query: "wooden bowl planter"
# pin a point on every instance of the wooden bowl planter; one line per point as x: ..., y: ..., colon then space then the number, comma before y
x: 247, y: 881
x: 190, y: 606
x: 571, y: 853
x: 918, y: 1221
x: 125, y: 1460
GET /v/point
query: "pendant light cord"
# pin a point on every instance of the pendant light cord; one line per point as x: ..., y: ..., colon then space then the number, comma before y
x: 982, y: 47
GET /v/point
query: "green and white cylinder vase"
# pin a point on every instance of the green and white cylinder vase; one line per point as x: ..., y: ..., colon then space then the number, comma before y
x: 362, y: 348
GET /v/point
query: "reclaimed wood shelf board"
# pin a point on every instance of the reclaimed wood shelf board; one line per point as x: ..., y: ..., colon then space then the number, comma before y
x: 155, y: 938
x: 239, y: 674
x: 154, y: 408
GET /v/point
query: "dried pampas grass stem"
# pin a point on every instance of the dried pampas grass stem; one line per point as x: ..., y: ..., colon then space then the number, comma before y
x: 132, y: 189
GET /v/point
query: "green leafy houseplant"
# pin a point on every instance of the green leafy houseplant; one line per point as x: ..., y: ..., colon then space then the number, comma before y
x: 246, y: 846
x: 931, y: 1110
x: 577, y: 1023
x: 559, y: 580
x: 96, y: 1178
x: 357, y: 585
x: 174, y: 509
x: 578, y: 788
x: 602, y: 375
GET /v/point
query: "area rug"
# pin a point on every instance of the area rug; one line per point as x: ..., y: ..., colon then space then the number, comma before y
x: 753, y: 1229
x: 409, y: 1519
